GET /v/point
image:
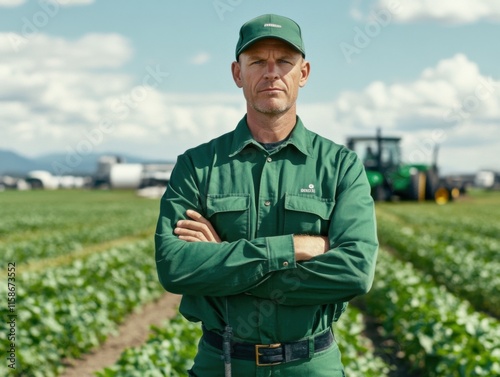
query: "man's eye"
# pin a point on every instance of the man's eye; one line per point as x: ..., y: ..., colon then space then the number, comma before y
x: 258, y: 62
x: 284, y: 61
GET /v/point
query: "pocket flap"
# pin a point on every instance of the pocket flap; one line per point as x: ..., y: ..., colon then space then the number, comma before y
x: 320, y: 207
x: 227, y: 203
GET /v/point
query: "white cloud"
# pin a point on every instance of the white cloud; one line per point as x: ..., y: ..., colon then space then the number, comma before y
x: 11, y: 3
x: 447, y: 11
x: 69, y: 3
x: 61, y: 95
x: 48, y: 52
x: 16, y: 3
x: 200, y: 59
x: 50, y: 90
x: 58, y: 94
x: 451, y: 104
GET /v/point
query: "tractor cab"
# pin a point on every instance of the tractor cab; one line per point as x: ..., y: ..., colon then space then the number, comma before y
x: 389, y: 177
x: 377, y: 153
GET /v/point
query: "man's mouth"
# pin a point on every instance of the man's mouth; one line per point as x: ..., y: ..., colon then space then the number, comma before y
x: 271, y: 90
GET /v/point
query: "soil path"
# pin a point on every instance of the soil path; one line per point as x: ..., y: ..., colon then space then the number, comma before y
x: 133, y: 332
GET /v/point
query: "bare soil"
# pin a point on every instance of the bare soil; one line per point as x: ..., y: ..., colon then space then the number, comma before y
x: 132, y: 332
x: 385, y: 347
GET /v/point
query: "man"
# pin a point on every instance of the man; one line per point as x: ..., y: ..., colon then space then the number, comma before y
x: 267, y: 231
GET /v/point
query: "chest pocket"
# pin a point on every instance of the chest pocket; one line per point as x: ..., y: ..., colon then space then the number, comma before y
x: 307, y: 215
x: 229, y: 215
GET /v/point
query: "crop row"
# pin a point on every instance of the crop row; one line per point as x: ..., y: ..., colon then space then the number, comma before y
x: 439, y: 334
x: 42, y: 225
x: 462, y: 270
x: 357, y: 350
x: 71, y: 309
x: 170, y: 350
x: 36, y: 212
x: 470, y: 217
x: 470, y: 230
x: 56, y: 243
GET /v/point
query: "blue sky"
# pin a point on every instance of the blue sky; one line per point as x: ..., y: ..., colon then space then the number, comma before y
x: 152, y: 78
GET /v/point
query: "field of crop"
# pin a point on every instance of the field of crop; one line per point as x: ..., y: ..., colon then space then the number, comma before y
x: 75, y: 264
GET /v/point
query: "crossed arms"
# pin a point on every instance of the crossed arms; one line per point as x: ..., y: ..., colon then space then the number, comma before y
x: 199, y: 229
x: 192, y: 259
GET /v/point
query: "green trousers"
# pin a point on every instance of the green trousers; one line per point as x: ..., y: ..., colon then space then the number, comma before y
x: 326, y: 363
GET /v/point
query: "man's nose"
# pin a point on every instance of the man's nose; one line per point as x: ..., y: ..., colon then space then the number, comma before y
x: 271, y: 73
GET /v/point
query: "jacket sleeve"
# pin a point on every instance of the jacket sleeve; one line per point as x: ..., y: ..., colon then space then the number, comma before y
x: 203, y: 268
x: 347, y: 269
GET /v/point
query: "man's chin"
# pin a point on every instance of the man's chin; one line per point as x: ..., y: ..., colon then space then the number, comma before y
x: 272, y: 109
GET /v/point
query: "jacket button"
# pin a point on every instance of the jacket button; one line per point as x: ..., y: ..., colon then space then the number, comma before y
x: 285, y: 264
x: 269, y: 159
x: 267, y: 203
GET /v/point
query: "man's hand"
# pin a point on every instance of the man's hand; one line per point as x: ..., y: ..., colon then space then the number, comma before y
x: 307, y: 247
x: 198, y: 229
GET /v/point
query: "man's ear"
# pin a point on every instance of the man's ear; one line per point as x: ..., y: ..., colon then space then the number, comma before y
x: 305, y: 71
x: 236, y: 71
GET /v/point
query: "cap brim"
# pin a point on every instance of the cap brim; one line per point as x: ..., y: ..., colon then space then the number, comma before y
x: 260, y: 37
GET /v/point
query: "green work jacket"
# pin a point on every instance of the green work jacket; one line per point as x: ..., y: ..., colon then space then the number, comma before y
x: 257, y: 200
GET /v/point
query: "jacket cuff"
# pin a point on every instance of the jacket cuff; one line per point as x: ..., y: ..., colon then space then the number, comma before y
x: 281, y: 253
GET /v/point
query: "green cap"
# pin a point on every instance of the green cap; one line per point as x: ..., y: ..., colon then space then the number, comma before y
x: 270, y: 26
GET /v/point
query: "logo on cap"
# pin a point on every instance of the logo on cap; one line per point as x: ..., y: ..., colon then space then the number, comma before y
x: 272, y: 25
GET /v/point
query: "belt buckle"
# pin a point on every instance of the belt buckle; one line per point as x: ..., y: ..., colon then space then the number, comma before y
x: 257, y: 354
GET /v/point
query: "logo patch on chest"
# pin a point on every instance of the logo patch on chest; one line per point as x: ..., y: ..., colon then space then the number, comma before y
x: 310, y: 189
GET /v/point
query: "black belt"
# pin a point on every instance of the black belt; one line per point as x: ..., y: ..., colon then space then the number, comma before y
x: 271, y: 354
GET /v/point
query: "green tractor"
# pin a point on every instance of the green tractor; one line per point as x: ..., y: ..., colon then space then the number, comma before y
x: 390, y: 178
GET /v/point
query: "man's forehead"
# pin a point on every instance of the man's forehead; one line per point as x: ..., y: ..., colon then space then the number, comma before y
x: 271, y: 43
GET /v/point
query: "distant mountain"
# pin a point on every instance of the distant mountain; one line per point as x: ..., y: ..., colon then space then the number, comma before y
x: 12, y: 163
x: 64, y: 164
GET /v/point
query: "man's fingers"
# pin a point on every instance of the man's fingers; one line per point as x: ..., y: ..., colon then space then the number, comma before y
x: 211, y: 234
x: 193, y: 229
x: 196, y: 216
x: 190, y: 235
x: 199, y: 224
x: 197, y: 229
x: 199, y: 218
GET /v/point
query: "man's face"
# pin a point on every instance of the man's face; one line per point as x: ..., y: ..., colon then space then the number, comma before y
x: 270, y: 73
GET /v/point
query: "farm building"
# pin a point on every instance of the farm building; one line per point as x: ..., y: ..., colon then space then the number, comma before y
x: 114, y: 172
x: 42, y: 179
x: 487, y: 179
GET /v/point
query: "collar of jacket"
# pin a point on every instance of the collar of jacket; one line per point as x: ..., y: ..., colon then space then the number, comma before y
x: 300, y: 138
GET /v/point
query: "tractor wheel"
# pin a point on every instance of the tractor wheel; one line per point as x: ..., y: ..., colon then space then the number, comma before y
x: 380, y: 193
x: 417, y: 187
x: 455, y: 193
x: 442, y: 195
x: 431, y: 184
